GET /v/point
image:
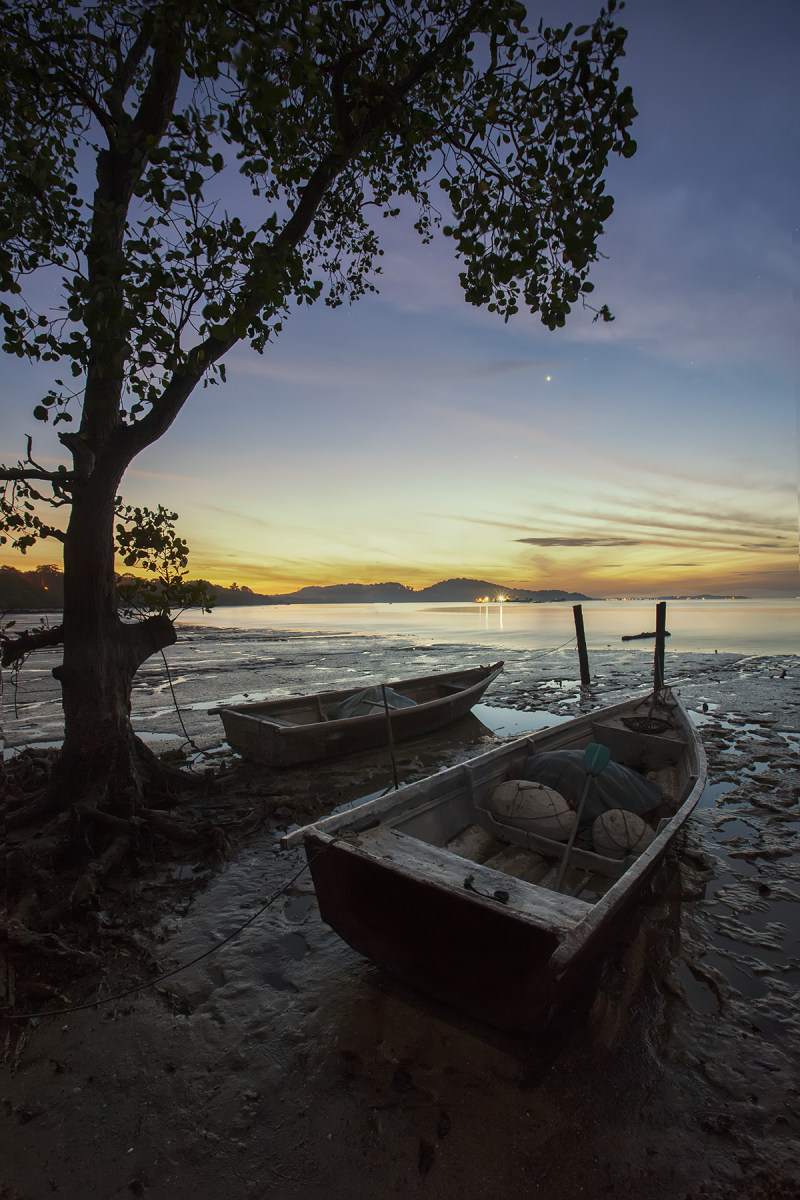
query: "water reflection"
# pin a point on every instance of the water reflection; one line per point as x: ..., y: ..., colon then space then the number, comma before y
x: 488, y: 607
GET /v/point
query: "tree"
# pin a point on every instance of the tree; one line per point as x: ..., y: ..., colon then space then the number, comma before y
x: 125, y: 123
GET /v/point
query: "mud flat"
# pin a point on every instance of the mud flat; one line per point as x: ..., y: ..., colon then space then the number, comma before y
x: 284, y: 1066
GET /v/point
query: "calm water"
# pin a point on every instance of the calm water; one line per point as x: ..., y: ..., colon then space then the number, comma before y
x: 700, y: 626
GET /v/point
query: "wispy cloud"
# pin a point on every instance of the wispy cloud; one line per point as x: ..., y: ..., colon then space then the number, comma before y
x: 579, y: 541
x: 239, y: 517
x: 652, y: 526
x: 327, y: 373
x: 170, y: 476
x: 724, y: 299
x: 512, y: 366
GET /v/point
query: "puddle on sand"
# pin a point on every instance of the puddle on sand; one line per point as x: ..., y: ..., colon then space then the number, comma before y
x: 514, y: 722
x: 757, y: 768
x: 714, y: 792
x: 297, y: 909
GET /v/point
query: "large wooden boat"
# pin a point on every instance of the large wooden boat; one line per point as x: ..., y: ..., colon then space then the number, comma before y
x: 303, y: 729
x: 435, y: 886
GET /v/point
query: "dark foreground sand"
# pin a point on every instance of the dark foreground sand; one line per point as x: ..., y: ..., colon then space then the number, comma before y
x: 284, y: 1066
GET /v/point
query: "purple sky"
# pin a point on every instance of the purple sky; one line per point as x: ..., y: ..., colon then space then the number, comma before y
x: 412, y: 437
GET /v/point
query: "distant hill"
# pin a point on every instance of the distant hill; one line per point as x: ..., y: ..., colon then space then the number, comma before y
x: 348, y: 593
x: 473, y: 589
x: 452, y: 591
x: 42, y: 589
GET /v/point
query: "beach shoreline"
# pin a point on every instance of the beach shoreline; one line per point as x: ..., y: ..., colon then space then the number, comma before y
x: 214, y: 665
x: 285, y: 1066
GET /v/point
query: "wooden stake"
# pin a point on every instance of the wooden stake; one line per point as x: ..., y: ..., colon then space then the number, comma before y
x: 583, y: 657
x: 390, y: 736
x: 661, y: 633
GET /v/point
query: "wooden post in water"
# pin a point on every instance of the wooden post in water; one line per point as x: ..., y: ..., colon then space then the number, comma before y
x: 661, y: 633
x: 583, y: 657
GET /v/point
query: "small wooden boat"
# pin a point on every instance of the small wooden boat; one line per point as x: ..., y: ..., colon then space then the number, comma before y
x: 435, y: 886
x: 633, y: 637
x: 302, y: 729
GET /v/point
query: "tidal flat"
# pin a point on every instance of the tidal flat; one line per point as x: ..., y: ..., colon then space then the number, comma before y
x: 283, y: 1065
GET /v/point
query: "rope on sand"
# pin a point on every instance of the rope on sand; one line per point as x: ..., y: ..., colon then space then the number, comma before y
x: 141, y: 987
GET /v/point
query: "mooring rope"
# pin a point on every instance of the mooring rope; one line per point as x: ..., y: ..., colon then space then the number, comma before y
x: 189, y: 740
x: 555, y: 649
x: 150, y: 983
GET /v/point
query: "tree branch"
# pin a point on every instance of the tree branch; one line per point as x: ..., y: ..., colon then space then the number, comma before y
x: 23, y: 474
x: 158, y: 98
x: 18, y: 646
x: 266, y: 268
x: 118, y: 171
x: 145, y: 638
x: 123, y: 76
x: 41, y: 58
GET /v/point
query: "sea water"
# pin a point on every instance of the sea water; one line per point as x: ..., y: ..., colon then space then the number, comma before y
x: 695, y: 626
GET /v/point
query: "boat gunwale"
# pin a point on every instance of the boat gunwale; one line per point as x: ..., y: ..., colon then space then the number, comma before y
x: 439, y: 859
x: 262, y: 710
x: 402, y: 798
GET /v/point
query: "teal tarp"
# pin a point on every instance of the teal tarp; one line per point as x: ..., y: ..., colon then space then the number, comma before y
x: 615, y: 787
x: 363, y: 703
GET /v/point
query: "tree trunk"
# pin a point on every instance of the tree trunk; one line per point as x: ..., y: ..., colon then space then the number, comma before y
x: 102, y: 764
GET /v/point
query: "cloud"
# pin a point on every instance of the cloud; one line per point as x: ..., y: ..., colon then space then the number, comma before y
x: 492, y: 370
x: 524, y: 433
x: 135, y: 472
x: 579, y: 541
x: 420, y: 279
x: 377, y: 364
x: 724, y: 299
x: 663, y: 520
x: 679, y: 525
x: 327, y: 373
x: 242, y: 516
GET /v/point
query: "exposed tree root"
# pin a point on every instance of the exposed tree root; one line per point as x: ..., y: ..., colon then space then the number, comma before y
x: 86, y: 888
x: 19, y: 937
x: 87, y: 884
x: 22, y: 815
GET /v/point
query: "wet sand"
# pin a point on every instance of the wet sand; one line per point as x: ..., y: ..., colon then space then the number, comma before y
x: 285, y: 1066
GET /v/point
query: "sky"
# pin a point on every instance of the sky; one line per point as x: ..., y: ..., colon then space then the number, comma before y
x: 412, y: 437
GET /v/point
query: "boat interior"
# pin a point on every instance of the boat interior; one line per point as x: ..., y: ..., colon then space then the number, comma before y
x: 454, y: 823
